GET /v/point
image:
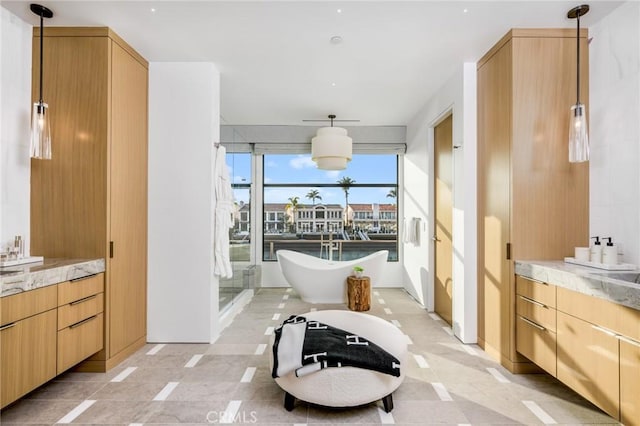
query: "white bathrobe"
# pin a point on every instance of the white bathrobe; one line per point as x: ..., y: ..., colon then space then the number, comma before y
x: 223, y: 214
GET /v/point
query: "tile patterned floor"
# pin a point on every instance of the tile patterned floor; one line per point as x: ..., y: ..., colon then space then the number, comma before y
x: 230, y: 382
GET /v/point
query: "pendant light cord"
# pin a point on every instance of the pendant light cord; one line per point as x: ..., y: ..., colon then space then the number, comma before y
x: 577, y: 66
x: 41, y: 44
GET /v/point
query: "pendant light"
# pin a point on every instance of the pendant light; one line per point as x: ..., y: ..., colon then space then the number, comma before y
x: 40, y: 128
x: 331, y: 147
x: 578, y: 134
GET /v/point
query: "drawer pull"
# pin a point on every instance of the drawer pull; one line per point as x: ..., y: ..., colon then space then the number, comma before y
x: 535, y: 302
x: 537, y: 281
x: 73, y: 280
x: 79, y: 323
x: 604, y: 330
x: 6, y: 326
x: 83, y: 300
x: 531, y: 323
x: 627, y: 340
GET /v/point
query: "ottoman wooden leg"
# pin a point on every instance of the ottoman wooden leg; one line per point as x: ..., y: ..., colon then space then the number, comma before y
x: 290, y: 400
x: 387, y: 401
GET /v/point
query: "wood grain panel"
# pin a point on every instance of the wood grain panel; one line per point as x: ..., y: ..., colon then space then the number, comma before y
x: 630, y: 383
x: 551, y: 195
x: 529, y: 195
x: 588, y: 362
x: 128, y: 198
x: 494, y: 136
x: 27, y: 355
x: 79, y: 341
x: 70, y: 291
x: 540, y: 314
x: 614, y: 317
x: 68, y: 193
x: 81, y: 309
x: 537, y: 344
x: 22, y: 305
x: 536, y: 290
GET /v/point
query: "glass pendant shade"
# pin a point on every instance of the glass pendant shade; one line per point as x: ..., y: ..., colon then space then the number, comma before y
x: 40, y: 132
x: 578, y: 135
x: 331, y: 148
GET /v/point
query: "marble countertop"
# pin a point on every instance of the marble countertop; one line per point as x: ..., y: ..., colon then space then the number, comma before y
x: 590, y: 281
x: 30, y: 276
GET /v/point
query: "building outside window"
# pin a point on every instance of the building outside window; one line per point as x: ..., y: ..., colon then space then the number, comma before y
x: 356, y: 208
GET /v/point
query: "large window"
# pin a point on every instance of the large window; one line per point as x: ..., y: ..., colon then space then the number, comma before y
x: 239, y: 165
x: 340, y: 215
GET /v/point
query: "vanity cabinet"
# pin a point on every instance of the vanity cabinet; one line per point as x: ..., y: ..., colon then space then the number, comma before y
x: 536, y: 322
x: 90, y: 199
x: 46, y: 331
x: 80, y: 320
x: 27, y: 342
x: 532, y: 203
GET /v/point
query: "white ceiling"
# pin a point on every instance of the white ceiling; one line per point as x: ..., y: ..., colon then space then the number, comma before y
x: 277, y: 63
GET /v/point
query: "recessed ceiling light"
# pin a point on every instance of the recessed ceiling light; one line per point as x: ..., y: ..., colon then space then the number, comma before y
x: 333, y: 84
x: 465, y: 10
x: 339, y: 10
x: 336, y: 39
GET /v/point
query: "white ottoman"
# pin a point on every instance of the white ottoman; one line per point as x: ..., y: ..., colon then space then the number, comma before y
x: 349, y: 386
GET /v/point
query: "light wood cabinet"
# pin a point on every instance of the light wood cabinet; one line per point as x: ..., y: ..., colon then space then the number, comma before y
x: 536, y: 322
x: 630, y: 382
x: 588, y: 362
x: 532, y: 203
x: 27, y: 342
x: 80, y: 320
x: 90, y: 200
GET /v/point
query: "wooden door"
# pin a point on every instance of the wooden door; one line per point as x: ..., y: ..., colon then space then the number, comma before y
x: 443, y: 192
x: 127, y: 269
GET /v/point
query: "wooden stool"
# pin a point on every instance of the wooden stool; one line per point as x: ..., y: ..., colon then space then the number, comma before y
x: 359, y: 293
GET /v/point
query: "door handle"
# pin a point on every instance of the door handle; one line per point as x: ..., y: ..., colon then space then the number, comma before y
x: 436, y: 239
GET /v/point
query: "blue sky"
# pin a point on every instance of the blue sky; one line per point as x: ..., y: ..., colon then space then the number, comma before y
x: 300, y: 169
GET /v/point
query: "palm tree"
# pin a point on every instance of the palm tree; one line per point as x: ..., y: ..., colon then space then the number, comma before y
x: 346, y: 183
x: 293, y: 207
x: 393, y: 193
x: 314, y: 195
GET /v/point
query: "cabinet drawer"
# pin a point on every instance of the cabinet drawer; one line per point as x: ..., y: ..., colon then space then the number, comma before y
x: 536, y: 343
x: 536, y: 312
x: 630, y: 382
x: 79, y: 341
x: 588, y: 362
x: 81, y: 309
x: 71, y: 291
x: 22, y: 305
x: 27, y: 355
x: 536, y: 290
x: 609, y: 315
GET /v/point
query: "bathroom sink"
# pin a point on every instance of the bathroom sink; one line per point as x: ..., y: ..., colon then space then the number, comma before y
x: 631, y: 277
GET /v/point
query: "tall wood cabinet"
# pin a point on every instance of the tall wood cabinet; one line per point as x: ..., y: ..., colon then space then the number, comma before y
x: 90, y: 200
x: 532, y: 203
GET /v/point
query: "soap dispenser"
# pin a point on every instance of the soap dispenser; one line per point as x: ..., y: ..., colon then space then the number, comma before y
x: 609, y: 253
x: 595, y: 255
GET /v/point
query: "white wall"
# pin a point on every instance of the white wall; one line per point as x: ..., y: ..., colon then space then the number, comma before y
x: 457, y: 95
x: 15, y: 113
x: 615, y: 129
x: 183, y: 125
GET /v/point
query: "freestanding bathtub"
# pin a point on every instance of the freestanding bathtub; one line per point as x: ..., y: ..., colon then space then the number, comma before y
x: 324, y: 281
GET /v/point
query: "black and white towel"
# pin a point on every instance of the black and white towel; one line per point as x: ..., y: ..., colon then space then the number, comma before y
x: 308, y: 346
